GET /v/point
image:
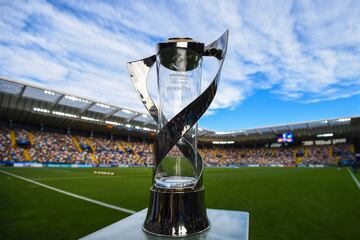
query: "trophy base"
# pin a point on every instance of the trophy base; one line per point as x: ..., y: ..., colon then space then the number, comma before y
x: 225, y: 225
x: 176, y: 213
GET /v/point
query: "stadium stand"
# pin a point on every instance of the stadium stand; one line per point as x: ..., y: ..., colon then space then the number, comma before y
x: 45, y: 126
x: 60, y: 148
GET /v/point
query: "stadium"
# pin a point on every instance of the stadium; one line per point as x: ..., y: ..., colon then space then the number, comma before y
x: 65, y: 139
x: 106, y: 136
x: 280, y: 142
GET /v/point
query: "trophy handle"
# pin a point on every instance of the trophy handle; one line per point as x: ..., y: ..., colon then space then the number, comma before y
x: 218, y: 48
x: 139, y: 71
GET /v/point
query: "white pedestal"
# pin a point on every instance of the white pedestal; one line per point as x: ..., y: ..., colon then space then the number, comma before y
x: 225, y: 225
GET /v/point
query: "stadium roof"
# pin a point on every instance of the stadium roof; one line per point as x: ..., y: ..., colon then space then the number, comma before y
x: 337, y: 127
x: 43, y: 101
x: 29, y: 103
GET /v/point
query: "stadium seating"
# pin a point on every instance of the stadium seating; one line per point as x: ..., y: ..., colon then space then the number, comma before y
x: 62, y: 148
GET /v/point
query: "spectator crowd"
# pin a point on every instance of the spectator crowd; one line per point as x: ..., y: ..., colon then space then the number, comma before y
x: 63, y: 148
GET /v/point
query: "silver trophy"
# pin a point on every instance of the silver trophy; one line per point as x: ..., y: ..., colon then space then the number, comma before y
x: 177, y: 206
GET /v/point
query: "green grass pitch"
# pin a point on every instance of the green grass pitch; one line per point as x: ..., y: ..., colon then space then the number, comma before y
x: 284, y: 203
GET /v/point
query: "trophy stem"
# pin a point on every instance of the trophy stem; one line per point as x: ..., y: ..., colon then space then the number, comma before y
x: 176, y: 213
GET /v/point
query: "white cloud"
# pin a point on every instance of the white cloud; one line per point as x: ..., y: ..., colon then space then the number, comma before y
x: 301, y: 51
x: 28, y: 63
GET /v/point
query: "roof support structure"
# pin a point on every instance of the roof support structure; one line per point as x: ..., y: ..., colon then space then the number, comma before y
x: 21, y: 94
x: 207, y: 134
x: 22, y: 91
x: 204, y: 133
x: 111, y: 113
x: 149, y: 121
x: 87, y: 107
x: 57, y: 101
x: 133, y: 117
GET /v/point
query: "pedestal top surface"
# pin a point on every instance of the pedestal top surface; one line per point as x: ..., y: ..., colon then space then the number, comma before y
x: 225, y: 225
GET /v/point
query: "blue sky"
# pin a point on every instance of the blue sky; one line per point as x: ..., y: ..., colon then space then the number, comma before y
x: 288, y: 61
x: 265, y: 109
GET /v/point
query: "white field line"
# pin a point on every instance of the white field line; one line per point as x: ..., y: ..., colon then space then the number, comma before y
x: 71, y: 194
x: 72, y: 178
x: 354, y: 178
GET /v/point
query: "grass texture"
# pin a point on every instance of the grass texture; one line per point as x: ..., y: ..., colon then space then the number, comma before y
x: 284, y: 203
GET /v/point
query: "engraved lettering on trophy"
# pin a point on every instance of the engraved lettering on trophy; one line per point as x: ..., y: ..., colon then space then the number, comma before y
x: 179, y: 81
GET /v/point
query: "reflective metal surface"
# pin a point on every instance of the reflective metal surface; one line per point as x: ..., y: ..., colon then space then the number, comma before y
x: 177, y: 53
x: 225, y: 225
x: 177, y: 213
x: 187, y: 43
